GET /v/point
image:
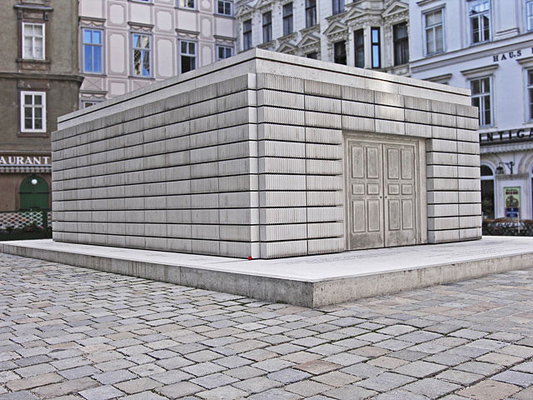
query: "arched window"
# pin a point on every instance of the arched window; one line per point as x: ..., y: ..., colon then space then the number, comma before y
x: 487, y: 192
x: 34, y: 194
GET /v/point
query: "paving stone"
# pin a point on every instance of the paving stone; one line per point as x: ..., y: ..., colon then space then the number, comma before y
x: 112, y: 377
x: 21, y: 395
x: 489, y: 390
x: 336, y: 379
x: 66, y: 387
x: 387, y: 362
x: 515, y: 377
x: 257, y: 384
x: 277, y: 394
x: 420, y: 369
x: 317, y: 367
x: 363, y: 371
x: 526, y: 394
x: 307, y: 388
x: 101, y: 393
x: 224, y: 392
x: 288, y: 375
x: 460, y: 377
x: 138, y: 385
x: 33, y: 382
x: 350, y: 392
x: 432, y: 388
x: 399, y: 395
x: 385, y: 382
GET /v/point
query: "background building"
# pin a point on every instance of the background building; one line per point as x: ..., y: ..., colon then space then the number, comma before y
x: 39, y: 81
x: 486, y: 46
x: 365, y: 33
x: 128, y: 44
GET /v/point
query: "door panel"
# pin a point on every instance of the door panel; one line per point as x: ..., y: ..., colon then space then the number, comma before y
x: 366, y: 196
x: 400, y: 207
x: 382, y: 204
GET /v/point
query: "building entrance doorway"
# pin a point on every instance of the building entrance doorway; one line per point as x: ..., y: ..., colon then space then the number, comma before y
x: 383, y: 182
x: 34, y: 194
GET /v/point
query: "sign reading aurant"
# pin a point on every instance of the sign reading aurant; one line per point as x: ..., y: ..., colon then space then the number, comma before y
x: 25, y: 160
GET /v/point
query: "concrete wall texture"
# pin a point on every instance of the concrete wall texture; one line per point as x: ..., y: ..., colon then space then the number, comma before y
x: 246, y: 157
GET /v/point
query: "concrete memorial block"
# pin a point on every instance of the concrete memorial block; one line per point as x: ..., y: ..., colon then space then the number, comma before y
x: 267, y: 155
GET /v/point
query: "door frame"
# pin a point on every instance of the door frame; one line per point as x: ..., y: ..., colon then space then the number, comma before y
x: 421, y: 179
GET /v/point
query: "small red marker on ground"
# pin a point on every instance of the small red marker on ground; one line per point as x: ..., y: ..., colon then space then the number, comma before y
x: 249, y: 257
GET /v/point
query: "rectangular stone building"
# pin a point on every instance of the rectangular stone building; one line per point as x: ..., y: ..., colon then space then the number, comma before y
x: 268, y: 155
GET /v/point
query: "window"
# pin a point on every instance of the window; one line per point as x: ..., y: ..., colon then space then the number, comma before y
x: 287, y: 19
x: 529, y: 15
x: 224, y: 7
x: 142, y: 1
x: 33, y: 112
x: 92, y: 51
x: 267, y: 27
x: 338, y: 6
x: 339, y: 52
x: 141, y: 55
x: 479, y: 14
x: 187, y: 4
x: 247, y: 35
x: 224, y: 52
x: 313, y: 55
x: 434, y: 28
x: 401, y: 44
x: 482, y: 99
x: 376, y: 48
x: 33, y: 37
x: 487, y: 192
x: 530, y: 92
x: 310, y: 13
x: 359, y: 40
x: 187, y: 56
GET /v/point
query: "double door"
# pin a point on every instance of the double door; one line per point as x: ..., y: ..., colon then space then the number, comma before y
x: 382, y: 186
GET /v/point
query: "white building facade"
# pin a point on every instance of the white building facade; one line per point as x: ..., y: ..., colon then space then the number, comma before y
x: 486, y: 46
x: 128, y: 44
x: 369, y: 34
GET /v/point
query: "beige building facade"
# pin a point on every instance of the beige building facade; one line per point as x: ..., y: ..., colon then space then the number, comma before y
x: 39, y: 81
x: 128, y: 44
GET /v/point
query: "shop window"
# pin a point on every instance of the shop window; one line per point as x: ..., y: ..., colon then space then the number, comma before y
x: 434, y: 32
x: 33, y: 41
x: 339, y: 52
x: 247, y: 34
x: 142, y: 57
x: 401, y: 44
x: 310, y: 13
x: 267, y: 27
x: 287, y: 19
x: 376, y: 47
x: 479, y: 15
x: 187, y: 56
x: 92, y: 51
x: 33, y: 112
x: 34, y: 194
x: 482, y: 99
x: 487, y: 192
x: 359, y: 40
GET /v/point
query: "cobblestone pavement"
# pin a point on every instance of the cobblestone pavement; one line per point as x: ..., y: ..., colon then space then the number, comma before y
x: 71, y: 333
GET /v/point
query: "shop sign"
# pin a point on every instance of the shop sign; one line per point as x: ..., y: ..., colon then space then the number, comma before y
x: 511, y: 54
x: 511, y: 197
x: 24, y: 160
x: 501, y: 136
